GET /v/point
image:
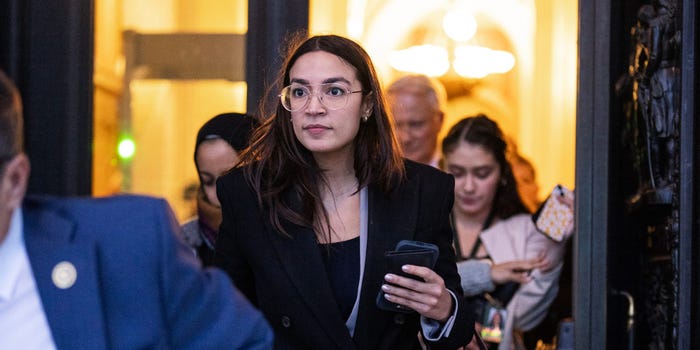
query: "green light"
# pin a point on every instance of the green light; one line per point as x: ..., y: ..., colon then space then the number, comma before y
x: 126, y: 148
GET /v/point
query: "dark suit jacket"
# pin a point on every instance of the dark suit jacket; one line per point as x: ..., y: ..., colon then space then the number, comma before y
x: 137, y: 286
x: 287, y: 280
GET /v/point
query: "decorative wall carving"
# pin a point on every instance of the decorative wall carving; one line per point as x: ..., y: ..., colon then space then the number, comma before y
x: 650, y: 99
x: 654, y: 80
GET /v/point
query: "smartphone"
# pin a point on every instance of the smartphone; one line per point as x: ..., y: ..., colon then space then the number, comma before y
x: 554, y: 218
x: 407, y: 252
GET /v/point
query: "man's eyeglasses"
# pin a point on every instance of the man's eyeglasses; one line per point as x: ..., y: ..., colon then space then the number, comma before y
x: 333, y: 96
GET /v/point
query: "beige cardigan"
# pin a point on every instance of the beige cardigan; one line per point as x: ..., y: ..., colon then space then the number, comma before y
x: 517, y: 238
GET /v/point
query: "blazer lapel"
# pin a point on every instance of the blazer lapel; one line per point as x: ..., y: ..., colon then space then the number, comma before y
x: 72, y: 305
x: 392, y: 218
x: 302, y: 261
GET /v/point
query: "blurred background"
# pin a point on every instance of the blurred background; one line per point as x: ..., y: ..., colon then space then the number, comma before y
x: 115, y: 90
x: 163, y: 67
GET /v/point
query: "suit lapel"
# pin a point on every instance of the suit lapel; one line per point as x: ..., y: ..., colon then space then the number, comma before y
x: 301, y: 259
x: 392, y: 218
x: 76, y: 307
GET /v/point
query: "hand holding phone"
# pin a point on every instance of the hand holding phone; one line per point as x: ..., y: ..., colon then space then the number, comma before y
x: 406, y: 253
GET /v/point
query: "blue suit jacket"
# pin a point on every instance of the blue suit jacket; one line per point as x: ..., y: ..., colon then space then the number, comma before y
x: 137, y: 286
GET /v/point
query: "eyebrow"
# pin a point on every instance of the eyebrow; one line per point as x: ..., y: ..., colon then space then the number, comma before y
x: 326, y: 81
x: 484, y: 168
x: 471, y: 169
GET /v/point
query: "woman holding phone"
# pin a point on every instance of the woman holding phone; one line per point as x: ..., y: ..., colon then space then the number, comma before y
x: 321, y: 195
x: 502, y: 256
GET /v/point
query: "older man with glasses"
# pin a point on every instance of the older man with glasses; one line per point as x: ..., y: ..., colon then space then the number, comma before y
x: 417, y: 104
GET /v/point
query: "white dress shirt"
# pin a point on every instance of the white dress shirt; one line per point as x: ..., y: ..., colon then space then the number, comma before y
x: 435, y: 160
x: 23, y: 323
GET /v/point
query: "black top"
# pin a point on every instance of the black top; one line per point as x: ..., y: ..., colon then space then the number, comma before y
x: 342, y: 260
x: 477, y: 244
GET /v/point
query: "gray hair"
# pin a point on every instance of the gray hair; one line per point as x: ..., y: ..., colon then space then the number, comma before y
x: 420, y: 84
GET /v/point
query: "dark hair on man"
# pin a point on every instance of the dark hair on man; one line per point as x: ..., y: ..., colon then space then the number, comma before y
x: 482, y: 131
x: 11, y: 140
x: 281, y: 169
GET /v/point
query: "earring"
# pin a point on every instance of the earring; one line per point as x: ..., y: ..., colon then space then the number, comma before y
x: 364, y: 118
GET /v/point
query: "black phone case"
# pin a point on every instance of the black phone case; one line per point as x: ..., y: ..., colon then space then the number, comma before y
x: 406, y: 253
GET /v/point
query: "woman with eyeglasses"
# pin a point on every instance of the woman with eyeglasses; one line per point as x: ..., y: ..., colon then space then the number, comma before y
x: 321, y: 195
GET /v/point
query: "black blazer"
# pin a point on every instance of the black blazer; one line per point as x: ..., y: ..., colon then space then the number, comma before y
x: 286, y: 277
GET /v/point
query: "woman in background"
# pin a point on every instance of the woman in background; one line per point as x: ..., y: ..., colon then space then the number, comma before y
x: 321, y: 195
x: 219, y: 143
x: 493, y: 230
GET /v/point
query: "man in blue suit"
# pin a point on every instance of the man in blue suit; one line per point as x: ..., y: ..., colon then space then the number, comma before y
x: 104, y: 273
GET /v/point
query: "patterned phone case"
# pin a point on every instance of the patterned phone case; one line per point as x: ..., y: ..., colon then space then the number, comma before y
x: 554, y: 218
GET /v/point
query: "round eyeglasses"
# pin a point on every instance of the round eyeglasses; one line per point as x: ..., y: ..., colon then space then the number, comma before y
x: 332, y: 95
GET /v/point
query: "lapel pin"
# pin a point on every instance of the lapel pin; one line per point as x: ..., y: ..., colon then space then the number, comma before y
x: 64, y: 275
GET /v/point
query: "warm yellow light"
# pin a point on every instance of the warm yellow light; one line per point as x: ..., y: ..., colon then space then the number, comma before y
x: 430, y: 60
x: 459, y: 25
x: 478, y: 62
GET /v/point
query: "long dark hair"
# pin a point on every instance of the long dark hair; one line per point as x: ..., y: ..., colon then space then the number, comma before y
x: 285, y: 175
x: 480, y: 130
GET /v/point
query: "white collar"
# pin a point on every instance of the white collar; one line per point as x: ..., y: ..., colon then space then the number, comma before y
x: 435, y: 161
x: 12, y: 250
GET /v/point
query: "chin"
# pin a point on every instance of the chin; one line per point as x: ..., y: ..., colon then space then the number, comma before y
x: 315, y: 146
x: 470, y: 210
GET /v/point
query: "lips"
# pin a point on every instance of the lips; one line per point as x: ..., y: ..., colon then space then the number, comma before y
x: 315, y: 128
x: 468, y: 200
